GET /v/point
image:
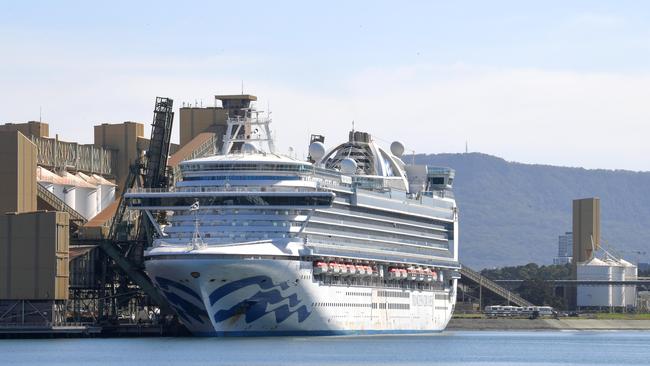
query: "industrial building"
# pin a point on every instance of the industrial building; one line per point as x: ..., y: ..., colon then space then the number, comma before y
x: 69, y: 254
x: 592, y: 263
x: 606, y: 297
x: 564, y: 249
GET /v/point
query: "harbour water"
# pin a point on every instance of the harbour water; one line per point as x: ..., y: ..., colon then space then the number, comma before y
x: 447, y: 348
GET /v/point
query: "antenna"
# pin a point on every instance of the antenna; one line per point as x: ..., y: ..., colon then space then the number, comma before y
x: 466, y: 148
x: 197, y: 241
x: 413, y: 157
x: 353, y: 126
x: 40, y: 114
x: 242, y: 87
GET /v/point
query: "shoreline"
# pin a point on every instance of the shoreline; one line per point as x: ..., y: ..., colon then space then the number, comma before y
x: 547, y: 324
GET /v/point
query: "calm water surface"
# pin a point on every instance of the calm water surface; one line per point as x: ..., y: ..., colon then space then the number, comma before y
x: 448, y: 348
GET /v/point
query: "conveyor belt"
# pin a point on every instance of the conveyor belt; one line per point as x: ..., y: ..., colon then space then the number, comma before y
x: 493, y: 287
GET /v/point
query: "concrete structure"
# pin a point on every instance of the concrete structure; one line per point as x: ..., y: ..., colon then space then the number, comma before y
x: 29, y: 129
x: 195, y: 120
x: 55, y: 154
x: 606, y: 297
x: 34, y: 256
x: 586, y: 228
x: 18, y: 193
x: 124, y: 138
x: 564, y: 249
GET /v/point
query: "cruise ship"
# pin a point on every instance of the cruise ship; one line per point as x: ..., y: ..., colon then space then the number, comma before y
x: 352, y: 240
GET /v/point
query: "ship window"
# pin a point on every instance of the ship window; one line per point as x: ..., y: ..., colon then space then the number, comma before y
x: 310, y: 200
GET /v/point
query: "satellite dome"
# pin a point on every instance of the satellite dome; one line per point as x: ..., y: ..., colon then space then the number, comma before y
x: 397, y: 148
x: 348, y: 166
x: 316, y: 150
x: 248, y: 148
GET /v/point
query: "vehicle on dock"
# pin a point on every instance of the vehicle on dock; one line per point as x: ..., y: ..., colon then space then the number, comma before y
x: 518, y: 311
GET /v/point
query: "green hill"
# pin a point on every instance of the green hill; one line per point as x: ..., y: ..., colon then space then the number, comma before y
x: 512, y: 213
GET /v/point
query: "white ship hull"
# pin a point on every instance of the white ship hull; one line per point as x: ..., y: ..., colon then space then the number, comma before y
x: 264, y: 297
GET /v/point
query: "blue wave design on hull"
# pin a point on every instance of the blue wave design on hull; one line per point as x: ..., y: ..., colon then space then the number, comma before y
x: 185, y: 309
x: 255, y: 306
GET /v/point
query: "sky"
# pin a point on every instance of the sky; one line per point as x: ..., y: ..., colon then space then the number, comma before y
x: 547, y: 82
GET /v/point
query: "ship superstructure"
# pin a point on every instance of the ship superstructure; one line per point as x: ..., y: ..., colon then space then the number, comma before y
x: 352, y: 241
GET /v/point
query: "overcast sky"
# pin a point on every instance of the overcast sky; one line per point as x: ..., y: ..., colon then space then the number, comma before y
x: 551, y: 82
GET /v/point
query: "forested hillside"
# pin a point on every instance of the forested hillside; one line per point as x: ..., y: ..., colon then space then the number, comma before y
x: 512, y: 213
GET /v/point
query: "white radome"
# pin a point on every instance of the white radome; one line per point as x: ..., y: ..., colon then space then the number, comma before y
x: 397, y: 148
x: 316, y: 150
x: 348, y: 166
x: 248, y: 148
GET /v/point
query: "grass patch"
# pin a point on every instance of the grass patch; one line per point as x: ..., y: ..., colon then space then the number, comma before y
x: 618, y: 316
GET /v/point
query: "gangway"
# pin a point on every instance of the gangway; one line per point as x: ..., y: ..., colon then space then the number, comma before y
x: 484, y: 282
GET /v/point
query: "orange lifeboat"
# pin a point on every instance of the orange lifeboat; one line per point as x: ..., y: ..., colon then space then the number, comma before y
x: 360, y: 269
x: 320, y: 267
x: 369, y: 271
x: 421, y: 274
x: 334, y: 267
x: 428, y: 275
x: 412, y: 274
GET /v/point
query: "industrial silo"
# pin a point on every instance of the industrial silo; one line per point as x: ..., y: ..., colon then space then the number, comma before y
x: 51, y: 181
x: 80, y: 195
x: 90, y: 196
x: 631, y: 274
x: 594, y: 296
x: 107, y: 191
x: 617, y: 274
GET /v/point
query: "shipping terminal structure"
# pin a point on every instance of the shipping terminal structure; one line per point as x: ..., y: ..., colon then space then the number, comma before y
x: 249, y: 242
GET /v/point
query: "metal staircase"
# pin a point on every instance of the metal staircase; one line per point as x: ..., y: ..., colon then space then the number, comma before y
x: 58, y: 204
x: 493, y: 287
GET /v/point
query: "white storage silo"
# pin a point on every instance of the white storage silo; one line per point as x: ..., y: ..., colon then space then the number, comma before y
x: 69, y: 196
x: 51, y: 181
x: 80, y: 194
x: 618, y: 274
x: 107, y: 191
x: 90, y: 196
x: 594, y: 296
x: 631, y: 274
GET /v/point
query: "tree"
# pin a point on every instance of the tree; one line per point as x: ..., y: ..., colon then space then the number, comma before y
x: 540, y: 292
